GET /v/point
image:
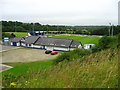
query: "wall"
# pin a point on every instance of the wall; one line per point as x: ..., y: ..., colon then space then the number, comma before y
x: 80, y: 46
x: 38, y: 46
x: 18, y: 44
x: 61, y: 48
x: 88, y: 46
x: 23, y: 44
x: 72, y: 49
x: 11, y: 43
x: 49, y: 48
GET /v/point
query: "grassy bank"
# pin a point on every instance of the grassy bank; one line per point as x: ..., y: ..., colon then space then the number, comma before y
x: 98, y: 70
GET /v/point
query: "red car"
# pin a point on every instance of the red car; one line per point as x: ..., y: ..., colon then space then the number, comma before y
x: 54, y: 52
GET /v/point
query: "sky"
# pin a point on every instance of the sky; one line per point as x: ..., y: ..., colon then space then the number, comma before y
x: 61, y: 12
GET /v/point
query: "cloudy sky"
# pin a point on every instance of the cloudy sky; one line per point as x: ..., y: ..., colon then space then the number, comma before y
x: 62, y: 12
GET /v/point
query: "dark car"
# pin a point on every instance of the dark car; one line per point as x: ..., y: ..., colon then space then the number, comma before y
x: 54, y: 52
x: 48, y: 52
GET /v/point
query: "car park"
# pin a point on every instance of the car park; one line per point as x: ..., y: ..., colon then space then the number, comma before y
x: 48, y: 52
x: 54, y: 53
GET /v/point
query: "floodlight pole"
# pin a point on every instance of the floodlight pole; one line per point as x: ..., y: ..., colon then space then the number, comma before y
x: 47, y: 30
x: 15, y: 26
x: 33, y: 29
x: 112, y: 29
x: 109, y: 28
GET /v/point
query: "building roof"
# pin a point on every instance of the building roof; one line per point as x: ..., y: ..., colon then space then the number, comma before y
x: 31, y: 39
x: 15, y: 39
x: 47, y: 41
x: 74, y: 44
x: 54, y: 42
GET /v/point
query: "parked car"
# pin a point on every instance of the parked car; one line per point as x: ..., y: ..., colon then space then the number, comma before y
x: 48, y: 52
x: 54, y: 52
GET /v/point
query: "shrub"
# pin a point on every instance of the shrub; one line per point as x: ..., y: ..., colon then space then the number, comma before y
x: 118, y: 41
x: 72, y: 55
x: 106, y: 42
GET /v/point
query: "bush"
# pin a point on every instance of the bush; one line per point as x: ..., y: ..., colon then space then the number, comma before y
x: 119, y: 41
x: 105, y: 43
x: 72, y: 55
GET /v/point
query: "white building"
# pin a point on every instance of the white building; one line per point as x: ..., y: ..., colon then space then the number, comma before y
x: 15, y: 41
x: 46, y: 43
x: 58, y: 44
x: 88, y: 46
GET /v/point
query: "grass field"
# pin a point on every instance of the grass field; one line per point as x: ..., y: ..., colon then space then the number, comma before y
x: 22, y: 68
x: 20, y: 34
x: 82, y: 39
x: 98, y: 70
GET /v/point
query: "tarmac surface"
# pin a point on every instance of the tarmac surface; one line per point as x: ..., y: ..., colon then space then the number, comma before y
x: 5, y: 48
x: 4, y: 67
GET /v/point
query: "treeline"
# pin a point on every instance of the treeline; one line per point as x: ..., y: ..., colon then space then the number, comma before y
x: 15, y: 26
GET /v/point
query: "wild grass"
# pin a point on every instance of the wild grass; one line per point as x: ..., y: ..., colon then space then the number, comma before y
x: 98, y: 70
x: 73, y: 55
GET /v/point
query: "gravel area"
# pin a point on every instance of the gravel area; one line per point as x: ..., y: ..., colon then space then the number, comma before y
x: 5, y: 48
x: 25, y: 55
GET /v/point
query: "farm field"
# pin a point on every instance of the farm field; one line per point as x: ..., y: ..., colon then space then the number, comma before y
x: 82, y: 39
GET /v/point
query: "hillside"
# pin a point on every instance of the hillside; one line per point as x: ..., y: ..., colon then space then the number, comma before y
x: 98, y: 70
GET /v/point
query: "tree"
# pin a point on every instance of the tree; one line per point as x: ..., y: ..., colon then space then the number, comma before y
x: 13, y: 35
x: 104, y: 42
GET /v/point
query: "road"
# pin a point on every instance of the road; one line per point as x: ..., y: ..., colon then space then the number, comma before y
x: 4, y: 67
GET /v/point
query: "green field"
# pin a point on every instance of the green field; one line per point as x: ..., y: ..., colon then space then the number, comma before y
x: 93, y: 71
x: 82, y: 39
x: 19, y: 34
